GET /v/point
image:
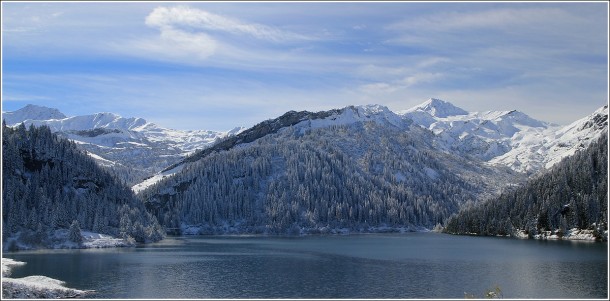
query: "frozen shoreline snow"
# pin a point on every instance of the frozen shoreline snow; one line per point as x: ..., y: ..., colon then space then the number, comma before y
x: 572, y: 234
x: 58, y: 239
x: 34, y: 286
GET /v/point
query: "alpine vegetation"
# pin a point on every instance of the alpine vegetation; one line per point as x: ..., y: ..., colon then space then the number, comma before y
x: 131, y: 148
x: 569, y: 199
x: 51, y: 191
x: 355, y: 169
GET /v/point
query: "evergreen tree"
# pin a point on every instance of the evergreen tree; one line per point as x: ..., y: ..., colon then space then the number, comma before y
x: 74, y: 233
x: 573, y: 194
x: 48, y: 184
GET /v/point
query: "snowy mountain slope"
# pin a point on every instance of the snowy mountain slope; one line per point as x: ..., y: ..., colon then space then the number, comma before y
x: 356, y: 168
x: 509, y: 138
x: 31, y: 112
x: 302, y: 121
x: 550, y: 147
x: 134, y: 147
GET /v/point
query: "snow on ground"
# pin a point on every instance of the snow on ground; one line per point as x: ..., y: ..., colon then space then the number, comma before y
x: 8, y: 264
x: 156, y: 178
x: 96, y: 240
x: 572, y: 234
x: 35, y: 287
x: 101, y: 161
x: 58, y: 239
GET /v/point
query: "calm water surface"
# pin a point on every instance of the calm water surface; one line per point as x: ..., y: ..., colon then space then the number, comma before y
x: 413, y: 265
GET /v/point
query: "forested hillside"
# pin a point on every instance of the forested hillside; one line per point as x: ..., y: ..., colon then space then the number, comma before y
x: 355, y: 176
x: 573, y: 194
x: 48, y: 184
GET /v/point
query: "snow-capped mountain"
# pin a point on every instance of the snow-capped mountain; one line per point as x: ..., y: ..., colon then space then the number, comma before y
x: 544, y: 149
x: 32, y: 112
x: 509, y: 138
x: 132, y: 145
x: 299, y: 121
x: 355, y: 167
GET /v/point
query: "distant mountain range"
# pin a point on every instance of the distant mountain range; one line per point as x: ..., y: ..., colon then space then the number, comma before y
x: 358, y: 168
x: 144, y: 150
x: 509, y: 138
x: 134, y: 147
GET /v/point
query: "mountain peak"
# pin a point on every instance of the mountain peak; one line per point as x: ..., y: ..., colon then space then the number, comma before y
x: 439, y: 108
x: 32, y: 112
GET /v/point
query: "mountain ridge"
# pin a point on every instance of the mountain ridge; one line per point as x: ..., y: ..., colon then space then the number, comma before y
x: 508, y: 138
x: 135, y: 147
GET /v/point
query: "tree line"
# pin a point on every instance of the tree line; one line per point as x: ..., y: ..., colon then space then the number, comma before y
x: 48, y: 184
x: 573, y: 194
x: 354, y: 176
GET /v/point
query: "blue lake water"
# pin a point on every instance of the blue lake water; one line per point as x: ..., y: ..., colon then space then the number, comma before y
x: 411, y: 265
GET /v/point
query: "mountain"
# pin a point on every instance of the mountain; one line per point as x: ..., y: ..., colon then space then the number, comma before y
x: 132, y: 147
x: 570, y: 198
x: 50, y: 186
x: 345, y: 116
x: 360, y: 168
x: 545, y: 149
x: 32, y: 112
x: 437, y: 108
x: 508, y: 138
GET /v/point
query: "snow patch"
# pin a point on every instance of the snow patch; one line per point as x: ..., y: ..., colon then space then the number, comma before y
x: 156, y: 178
x: 431, y: 173
x: 59, y: 239
x: 34, y: 286
x: 571, y: 234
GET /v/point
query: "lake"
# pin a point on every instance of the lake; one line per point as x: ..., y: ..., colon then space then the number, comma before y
x: 410, y: 265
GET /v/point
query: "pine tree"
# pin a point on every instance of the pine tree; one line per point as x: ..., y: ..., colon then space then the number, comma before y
x: 74, y: 234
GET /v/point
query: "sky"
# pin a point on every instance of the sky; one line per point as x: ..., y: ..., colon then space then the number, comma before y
x: 215, y: 66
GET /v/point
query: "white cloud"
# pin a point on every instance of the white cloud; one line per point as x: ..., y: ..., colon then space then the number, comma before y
x: 393, y: 86
x: 186, y: 18
x: 421, y: 78
x: 378, y: 88
x: 180, y: 44
x: 191, y: 36
x: 495, y: 18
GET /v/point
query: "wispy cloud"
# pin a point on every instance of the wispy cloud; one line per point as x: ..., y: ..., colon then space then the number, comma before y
x: 187, y: 18
x: 489, y: 18
x: 176, y: 44
x: 255, y: 60
x: 192, y: 36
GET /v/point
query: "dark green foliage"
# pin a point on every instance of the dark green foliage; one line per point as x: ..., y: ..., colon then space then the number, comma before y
x: 48, y: 183
x: 573, y: 194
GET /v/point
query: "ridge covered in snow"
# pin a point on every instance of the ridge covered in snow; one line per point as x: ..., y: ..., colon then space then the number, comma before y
x: 437, y: 108
x: 509, y: 138
x: 300, y: 121
x: 546, y: 148
x: 32, y: 112
x: 146, y: 151
x: 133, y: 146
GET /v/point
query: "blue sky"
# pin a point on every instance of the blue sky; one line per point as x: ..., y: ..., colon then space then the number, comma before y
x: 197, y: 65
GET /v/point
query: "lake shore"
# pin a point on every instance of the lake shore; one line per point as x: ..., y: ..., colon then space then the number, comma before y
x: 58, y: 239
x: 34, y: 287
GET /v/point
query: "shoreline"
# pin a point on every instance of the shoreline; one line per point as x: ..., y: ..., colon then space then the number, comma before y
x: 35, y: 287
x: 574, y: 235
